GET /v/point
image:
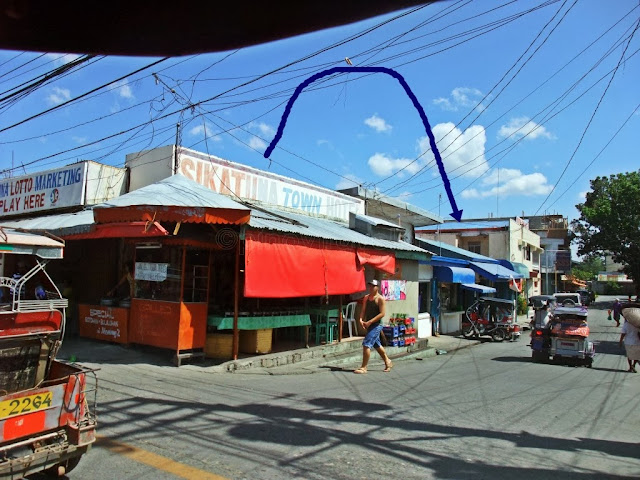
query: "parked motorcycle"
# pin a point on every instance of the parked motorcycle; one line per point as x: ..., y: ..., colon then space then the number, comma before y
x: 493, y: 317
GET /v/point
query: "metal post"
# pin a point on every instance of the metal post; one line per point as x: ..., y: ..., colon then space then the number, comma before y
x: 546, y: 269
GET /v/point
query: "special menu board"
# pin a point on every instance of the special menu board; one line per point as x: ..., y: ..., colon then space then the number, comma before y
x: 104, y: 323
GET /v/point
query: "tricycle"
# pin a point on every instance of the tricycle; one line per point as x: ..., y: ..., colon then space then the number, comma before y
x: 541, y: 326
x: 566, y: 336
x: 45, y: 420
x: 491, y: 316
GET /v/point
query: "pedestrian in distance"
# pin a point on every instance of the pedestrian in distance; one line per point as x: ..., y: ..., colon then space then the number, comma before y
x: 371, y: 315
x: 617, y: 311
x: 631, y: 338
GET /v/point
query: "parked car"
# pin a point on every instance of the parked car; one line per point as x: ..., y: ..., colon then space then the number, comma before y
x: 575, y: 297
x: 585, y: 297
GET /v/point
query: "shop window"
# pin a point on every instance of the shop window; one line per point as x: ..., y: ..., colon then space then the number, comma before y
x: 424, y: 296
x: 474, y: 247
x: 157, y: 273
x: 196, y: 276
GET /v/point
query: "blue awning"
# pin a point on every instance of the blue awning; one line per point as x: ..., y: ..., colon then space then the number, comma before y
x: 520, y: 268
x: 475, y: 287
x: 494, y: 272
x: 453, y: 274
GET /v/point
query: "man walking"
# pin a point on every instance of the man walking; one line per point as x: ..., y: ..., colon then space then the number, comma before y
x: 373, y: 310
x: 617, y: 311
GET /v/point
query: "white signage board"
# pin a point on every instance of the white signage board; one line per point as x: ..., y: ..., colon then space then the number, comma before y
x: 152, y: 272
x: 249, y: 183
x: 62, y: 187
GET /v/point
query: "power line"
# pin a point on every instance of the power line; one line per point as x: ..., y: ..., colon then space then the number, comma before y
x: 597, y: 156
x: 399, y: 185
x: 586, y: 128
x: 56, y: 107
x: 191, y: 106
x: 559, y: 99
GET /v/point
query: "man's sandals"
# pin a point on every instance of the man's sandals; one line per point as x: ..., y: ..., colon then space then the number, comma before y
x: 387, y: 369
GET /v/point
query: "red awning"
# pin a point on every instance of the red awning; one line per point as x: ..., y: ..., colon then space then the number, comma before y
x: 278, y: 266
x: 381, y: 260
x: 122, y: 230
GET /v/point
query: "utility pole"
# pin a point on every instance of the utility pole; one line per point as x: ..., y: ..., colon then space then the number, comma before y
x: 546, y: 269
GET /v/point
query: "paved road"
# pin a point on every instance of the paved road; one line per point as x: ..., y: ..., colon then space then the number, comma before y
x: 477, y: 413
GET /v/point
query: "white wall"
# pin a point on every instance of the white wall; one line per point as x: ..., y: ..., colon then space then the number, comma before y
x: 149, y: 166
x: 104, y: 182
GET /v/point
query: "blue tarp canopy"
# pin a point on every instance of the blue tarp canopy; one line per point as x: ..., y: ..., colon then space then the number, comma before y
x: 494, y: 272
x: 475, y: 287
x: 454, y: 274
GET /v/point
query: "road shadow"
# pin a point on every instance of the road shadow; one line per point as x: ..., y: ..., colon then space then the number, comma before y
x: 608, y: 347
x: 321, y: 424
x: 513, y: 359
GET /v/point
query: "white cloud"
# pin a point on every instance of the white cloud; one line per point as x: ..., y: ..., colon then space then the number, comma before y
x: 79, y: 140
x: 322, y: 141
x: 266, y: 130
x: 349, y: 182
x: 404, y: 196
x: 383, y: 165
x: 257, y: 144
x: 200, y: 130
x: 509, y: 182
x: 461, y: 97
x: 59, y: 95
x: 123, y: 89
x: 458, y: 156
x: 378, y: 124
x: 521, y: 126
x: 582, y: 196
x: 62, y: 58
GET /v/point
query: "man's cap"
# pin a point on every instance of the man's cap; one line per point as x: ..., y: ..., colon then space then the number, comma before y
x: 373, y: 282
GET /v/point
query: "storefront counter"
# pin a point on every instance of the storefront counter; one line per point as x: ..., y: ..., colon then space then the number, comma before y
x: 451, y: 322
x: 173, y: 325
x: 104, y: 323
x: 259, y: 322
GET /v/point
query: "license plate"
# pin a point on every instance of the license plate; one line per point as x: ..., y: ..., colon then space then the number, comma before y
x: 568, y: 344
x: 22, y: 405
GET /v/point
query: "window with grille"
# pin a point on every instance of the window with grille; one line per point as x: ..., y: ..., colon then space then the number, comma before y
x: 474, y: 247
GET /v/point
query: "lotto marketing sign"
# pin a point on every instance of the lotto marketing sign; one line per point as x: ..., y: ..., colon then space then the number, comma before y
x: 62, y: 187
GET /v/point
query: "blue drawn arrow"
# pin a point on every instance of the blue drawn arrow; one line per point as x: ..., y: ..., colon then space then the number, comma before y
x: 457, y: 214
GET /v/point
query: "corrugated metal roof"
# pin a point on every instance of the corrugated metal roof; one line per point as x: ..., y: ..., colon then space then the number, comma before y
x: 280, y: 221
x: 450, y: 250
x: 489, y: 224
x: 377, y: 221
x: 61, y: 225
x: 174, y: 191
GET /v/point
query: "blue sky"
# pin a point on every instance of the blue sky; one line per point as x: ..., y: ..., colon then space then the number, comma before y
x: 505, y: 158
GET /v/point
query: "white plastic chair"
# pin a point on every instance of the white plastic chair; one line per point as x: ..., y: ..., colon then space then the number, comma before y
x: 349, y: 317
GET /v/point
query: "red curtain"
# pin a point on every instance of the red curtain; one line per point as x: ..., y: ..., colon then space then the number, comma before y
x: 385, y: 261
x: 278, y: 266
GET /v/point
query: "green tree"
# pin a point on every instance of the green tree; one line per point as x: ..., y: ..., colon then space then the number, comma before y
x: 610, y: 221
x: 588, y: 269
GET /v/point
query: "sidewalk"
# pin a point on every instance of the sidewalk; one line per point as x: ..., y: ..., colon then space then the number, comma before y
x: 346, y: 355
x: 341, y: 356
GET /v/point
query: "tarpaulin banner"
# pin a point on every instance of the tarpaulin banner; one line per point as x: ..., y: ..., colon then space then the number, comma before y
x: 385, y: 261
x: 280, y: 266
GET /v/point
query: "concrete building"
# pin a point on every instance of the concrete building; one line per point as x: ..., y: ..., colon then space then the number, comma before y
x: 509, y: 240
x: 555, y: 261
